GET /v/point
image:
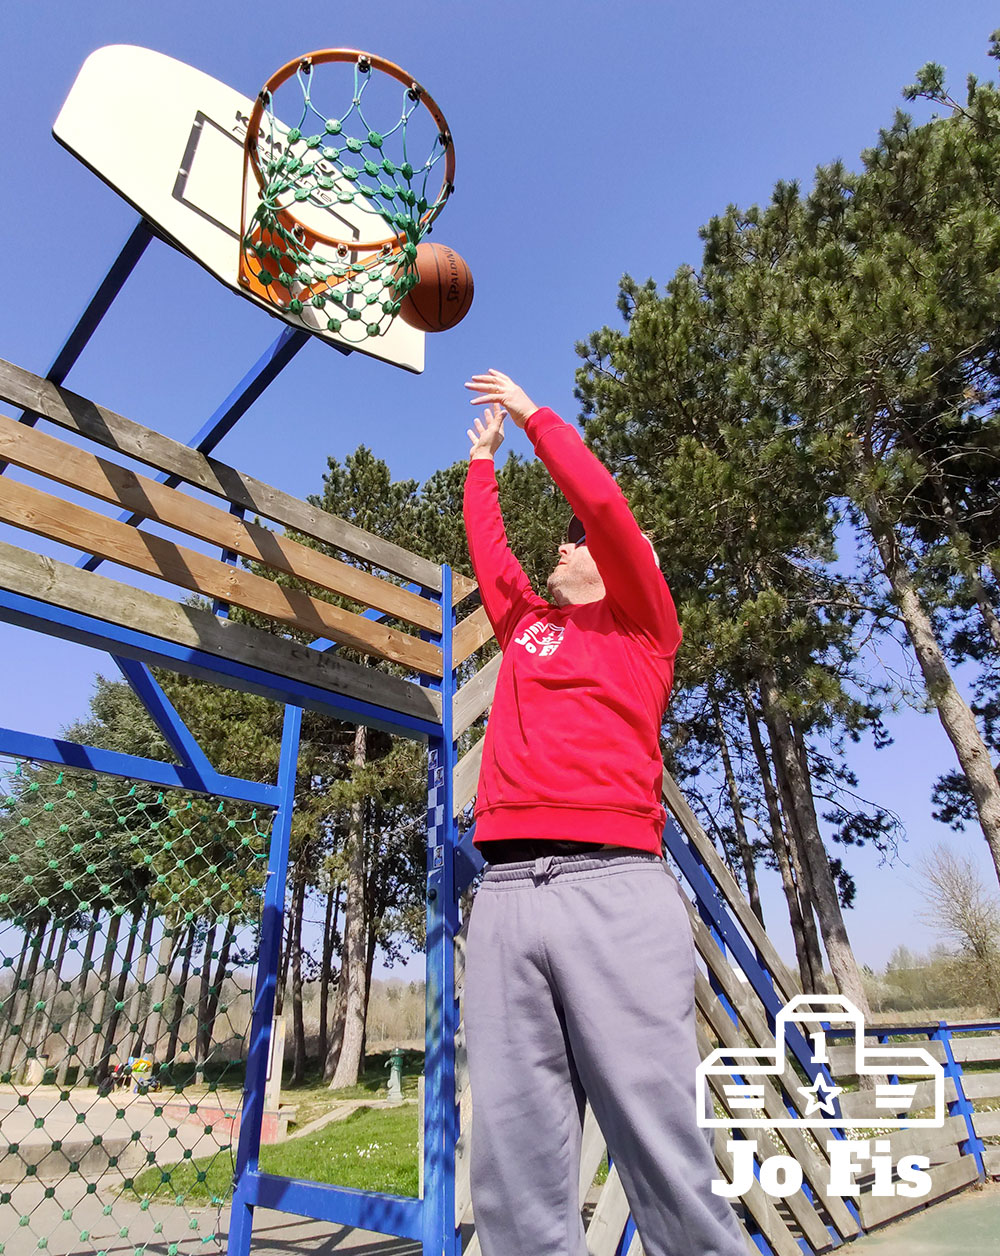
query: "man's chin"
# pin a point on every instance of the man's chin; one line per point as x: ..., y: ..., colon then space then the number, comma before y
x: 556, y: 589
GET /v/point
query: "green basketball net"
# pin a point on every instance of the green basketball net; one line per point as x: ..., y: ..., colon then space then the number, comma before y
x: 344, y: 197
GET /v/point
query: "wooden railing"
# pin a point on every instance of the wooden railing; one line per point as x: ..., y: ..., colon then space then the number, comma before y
x: 271, y: 590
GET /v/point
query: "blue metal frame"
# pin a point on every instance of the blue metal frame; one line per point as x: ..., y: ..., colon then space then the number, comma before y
x: 73, y: 754
x: 248, y: 1150
x: 130, y: 643
x: 440, y: 1233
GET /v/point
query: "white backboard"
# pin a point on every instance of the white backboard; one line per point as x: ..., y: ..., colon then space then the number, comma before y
x: 169, y: 139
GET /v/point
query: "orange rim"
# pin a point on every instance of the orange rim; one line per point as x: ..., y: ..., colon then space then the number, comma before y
x: 327, y: 56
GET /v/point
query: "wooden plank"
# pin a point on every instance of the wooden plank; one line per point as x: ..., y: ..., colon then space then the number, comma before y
x: 472, y: 633
x: 592, y: 1149
x: 39, y: 396
x: 34, y: 450
x: 761, y: 1207
x: 466, y: 780
x: 59, y: 584
x: 976, y: 1050
x: 940, y: 1144
x: 806, y: 1148
x: 991, y: 1161
x: 986, y: 1124
x: 945, y: 1179
x: 476, y: 695
x: 855, y: 1103
x: 463, y: 1177
x: 981, y: 1085
x: 608, y: 1222
x: 461, y: 587
x: 786, y: 985
x: 842, y: 1059
x: 49, y: 516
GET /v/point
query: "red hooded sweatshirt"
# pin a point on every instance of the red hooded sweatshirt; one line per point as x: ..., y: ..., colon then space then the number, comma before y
x: 572, y: 744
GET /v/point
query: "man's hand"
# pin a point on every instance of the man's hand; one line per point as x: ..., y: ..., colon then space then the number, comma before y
x: 500, y: 390
x: 487, y: 437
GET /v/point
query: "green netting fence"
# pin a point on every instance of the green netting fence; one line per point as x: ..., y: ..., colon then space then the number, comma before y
x: 129, y: 925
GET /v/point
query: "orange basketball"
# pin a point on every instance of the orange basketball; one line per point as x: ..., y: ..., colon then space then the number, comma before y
x: 443, y: 296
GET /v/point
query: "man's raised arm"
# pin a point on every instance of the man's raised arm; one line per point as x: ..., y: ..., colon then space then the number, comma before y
x: 624, y: 557
x: 506, y: 591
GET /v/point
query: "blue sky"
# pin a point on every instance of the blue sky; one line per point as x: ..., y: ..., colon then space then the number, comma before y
x: 592, y: 139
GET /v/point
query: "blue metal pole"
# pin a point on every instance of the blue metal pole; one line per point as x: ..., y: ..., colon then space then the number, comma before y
x: 248, y: 1150
x: 973, y: 1145
x: 441, y: 1113
x: 97, y: 307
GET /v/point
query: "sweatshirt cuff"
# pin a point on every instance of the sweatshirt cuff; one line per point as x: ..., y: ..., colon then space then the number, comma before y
x: 541, y: 423
x: 486, y: 469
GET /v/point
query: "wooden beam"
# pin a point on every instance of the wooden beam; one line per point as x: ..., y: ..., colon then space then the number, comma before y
x: 965, y: 1050
x: 476, y: 695
x: 467, y: 777
x: 48, y: 516
x: 945, y: 1180
x: 40, y: 396
x: 66, y: 464
x: 461, y: 587
x: 474, y: 631
x: 87, y: 593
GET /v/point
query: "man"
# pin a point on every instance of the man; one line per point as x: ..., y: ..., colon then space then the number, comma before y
x: 580, y: 964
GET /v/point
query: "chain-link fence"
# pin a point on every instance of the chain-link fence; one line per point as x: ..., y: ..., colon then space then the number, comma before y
x: 129, y: 921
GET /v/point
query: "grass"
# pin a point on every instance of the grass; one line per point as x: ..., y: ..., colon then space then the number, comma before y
x: 312, y: 1097
x: 373, y: 1149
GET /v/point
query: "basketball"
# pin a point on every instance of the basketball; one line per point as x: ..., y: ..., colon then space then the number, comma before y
x: 443, y: 296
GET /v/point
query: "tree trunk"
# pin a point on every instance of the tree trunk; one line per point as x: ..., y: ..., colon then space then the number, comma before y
x: 953, y: 711
x: 21, y: 1043
x: 201, y: 1050
x: 139, y: 999
x: 36, y: 1031
x: 111, y: 1031
x: 21, y: 1000
x: 329, y: 926
x: 180, y: 994
x: 736, y: 805
x: 101, y: 995
x: 298, y: 1017
x: 216, y: 987
x: 32, y: 940
x: 794, y: 846
x: 808, y: 977
x: 349, y: 1058
x: 838, y: 946
x: 158, y: 997
x: 72, y: 1051
x: 339, y: 1015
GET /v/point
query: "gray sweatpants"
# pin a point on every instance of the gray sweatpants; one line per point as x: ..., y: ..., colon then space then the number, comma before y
x: 580, y: 984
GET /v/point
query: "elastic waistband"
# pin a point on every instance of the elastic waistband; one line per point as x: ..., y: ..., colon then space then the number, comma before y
x: 547, y: 867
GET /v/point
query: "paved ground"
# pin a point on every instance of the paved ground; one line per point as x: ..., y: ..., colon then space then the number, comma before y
x: 966, y: 1225
x: 33, y: 1121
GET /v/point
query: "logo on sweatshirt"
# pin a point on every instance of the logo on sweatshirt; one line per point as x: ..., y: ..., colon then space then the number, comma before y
x: 541, y: 638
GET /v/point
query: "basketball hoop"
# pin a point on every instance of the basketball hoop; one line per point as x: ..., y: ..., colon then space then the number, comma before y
x: 334, y: 208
